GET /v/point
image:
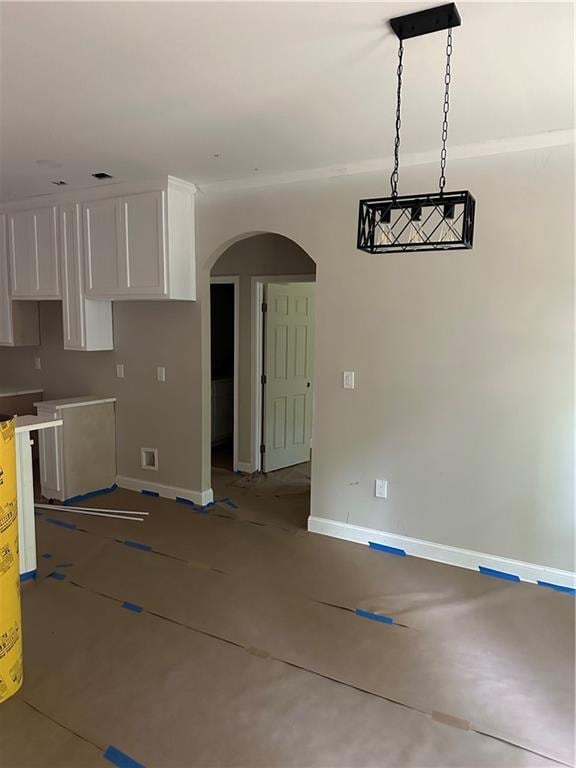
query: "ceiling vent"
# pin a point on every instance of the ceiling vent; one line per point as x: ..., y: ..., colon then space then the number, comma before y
x: 102, y: 175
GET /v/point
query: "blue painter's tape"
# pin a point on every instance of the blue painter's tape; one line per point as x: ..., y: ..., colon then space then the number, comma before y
x: 57, y: 575
x: 190, y: 503
x: 62, y: 523
x: 132, y: 607
x: 46, y: 555
x: 90, y: 495
x: 231, y: 503
x: 137, y: 545
x: 385, y: 548
x: 120, y: 759
x: 28, y: 576
x: 498, y: 574
x: 558, y: 588
x: 374, y: 616
x: 144, y: 492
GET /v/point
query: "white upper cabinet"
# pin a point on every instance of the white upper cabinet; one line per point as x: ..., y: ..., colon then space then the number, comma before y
x: 19, y: 324
x: 33, y: 246
x: 142, y: 250
x: 141, y: 245
x: 101, y: 248
x: 87, y: 324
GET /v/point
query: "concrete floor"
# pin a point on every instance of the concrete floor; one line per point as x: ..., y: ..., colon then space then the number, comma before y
x: 231, y: 638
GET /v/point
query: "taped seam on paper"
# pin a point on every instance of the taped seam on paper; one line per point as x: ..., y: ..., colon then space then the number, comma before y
x: 137, y: 545
x: 120, y: 759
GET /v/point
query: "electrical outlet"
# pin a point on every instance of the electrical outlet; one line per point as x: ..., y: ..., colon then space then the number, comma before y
x: 381, y: 489
x: 348, y: 379
x: 120, y: 370
x: 149, y: 458
x: 37, y: 363
x: 161, y: 373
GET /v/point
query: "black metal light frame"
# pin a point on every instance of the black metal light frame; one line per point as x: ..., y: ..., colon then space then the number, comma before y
x: 435, y: 221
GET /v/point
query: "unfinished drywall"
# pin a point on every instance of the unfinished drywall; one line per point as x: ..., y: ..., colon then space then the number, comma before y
x: 149, y: 413
x: 463, y: 360
x: 259, y: 256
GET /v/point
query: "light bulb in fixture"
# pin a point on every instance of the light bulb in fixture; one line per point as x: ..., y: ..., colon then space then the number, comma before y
x: 383, y: 233
x: 415, y: 235
x: 447, y: 233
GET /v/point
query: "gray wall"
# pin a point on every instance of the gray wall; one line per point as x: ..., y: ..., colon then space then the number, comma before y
x: 464, y: 360
x: 148, y: 413
x: 259, y: 255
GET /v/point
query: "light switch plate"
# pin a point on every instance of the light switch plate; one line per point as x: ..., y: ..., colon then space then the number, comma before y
x: 120, y: 370
x: 37, y: 363
x: 348, y: 379
x: 161, y: 373
x: 381, y: 489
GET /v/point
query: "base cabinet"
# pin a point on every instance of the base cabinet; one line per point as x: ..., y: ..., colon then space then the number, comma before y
x: 80, y: 456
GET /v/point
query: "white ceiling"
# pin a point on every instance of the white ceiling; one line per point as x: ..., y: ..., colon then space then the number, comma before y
x: 143, y: 89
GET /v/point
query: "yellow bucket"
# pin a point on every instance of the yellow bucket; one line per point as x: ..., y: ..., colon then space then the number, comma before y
x: 10, y: 615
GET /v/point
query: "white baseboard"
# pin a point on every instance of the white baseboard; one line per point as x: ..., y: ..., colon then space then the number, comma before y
x: 167, y: 491
x: 246, y: 467
x: 442, y: 553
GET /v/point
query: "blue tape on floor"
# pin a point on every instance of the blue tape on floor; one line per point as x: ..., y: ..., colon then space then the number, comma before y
x: 149, y: 493
x: 46, y: 555
x: 90, y: 495
x: 137, y: 545
x: 498, y: 574
x: 374, y: 616
x: 132, y: 607
x: 56, y: 575
x: 28, y: 576
x: 231, y: 503
x: 61, y: 523
x: 558, y: 588
x: 120, y: 759
x: 190, y: 503
x: 385, y: 548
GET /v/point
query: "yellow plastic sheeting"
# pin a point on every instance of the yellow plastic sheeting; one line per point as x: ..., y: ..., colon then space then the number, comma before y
x: 10, y: 614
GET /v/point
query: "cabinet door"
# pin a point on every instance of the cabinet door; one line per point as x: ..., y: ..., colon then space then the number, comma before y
x: 34, y: 254
x: 101, y: 248
x: 70, y: 250
x: 21, y: 236
x: 46, y: 252
x: 51, y: 459
x: 142, y: 244
x: 6, y: 330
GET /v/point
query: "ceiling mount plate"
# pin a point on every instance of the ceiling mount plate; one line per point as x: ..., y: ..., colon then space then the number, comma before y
x: 424, y: 22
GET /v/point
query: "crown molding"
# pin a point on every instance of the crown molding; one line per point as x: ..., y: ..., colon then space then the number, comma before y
x: 544, y: 140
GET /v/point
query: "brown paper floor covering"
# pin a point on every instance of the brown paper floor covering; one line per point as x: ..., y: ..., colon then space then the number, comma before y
x: 248, y: 651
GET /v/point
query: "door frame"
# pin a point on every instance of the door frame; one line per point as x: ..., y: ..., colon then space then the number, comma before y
x: 257, y: 283
x: 235, y: 281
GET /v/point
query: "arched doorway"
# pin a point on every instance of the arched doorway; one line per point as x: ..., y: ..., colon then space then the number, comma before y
x: 262, y: 361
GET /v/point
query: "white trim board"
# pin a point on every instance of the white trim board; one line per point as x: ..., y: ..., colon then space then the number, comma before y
x: 235, y: 281
x: 166, y: 491
x: 442, y: 553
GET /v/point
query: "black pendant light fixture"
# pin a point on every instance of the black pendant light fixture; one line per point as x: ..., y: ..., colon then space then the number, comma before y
x: 428, y: 222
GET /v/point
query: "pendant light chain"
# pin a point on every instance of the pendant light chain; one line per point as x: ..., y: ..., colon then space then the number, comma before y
x: 446, y: 108
x: 394, y: 176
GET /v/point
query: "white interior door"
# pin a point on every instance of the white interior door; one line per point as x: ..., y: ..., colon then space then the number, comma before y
x: 288, y: 372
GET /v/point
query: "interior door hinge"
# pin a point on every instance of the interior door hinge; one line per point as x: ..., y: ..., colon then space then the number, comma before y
x: 264, y: 307
x: 263, y: 379
x: 262, y: 449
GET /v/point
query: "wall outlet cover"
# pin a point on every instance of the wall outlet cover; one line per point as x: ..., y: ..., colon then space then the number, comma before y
x: 120, y: 370
x: 381, y: 489
x: 348, y: 379
x: 37, y: 363
x: 161, y: 373
x: 149, y: 458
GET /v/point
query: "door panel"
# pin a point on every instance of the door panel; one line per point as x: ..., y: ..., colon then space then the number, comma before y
x: 288, y: 370
x: 21, y: 236
x: 142, y: 247
x: 72, y: 309
x: 47, y: 252
x: 101, y: 248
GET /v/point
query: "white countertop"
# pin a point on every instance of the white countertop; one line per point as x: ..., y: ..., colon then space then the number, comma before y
x: 14, y: 391
x: 72, y: 402
x: 30, y: 423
